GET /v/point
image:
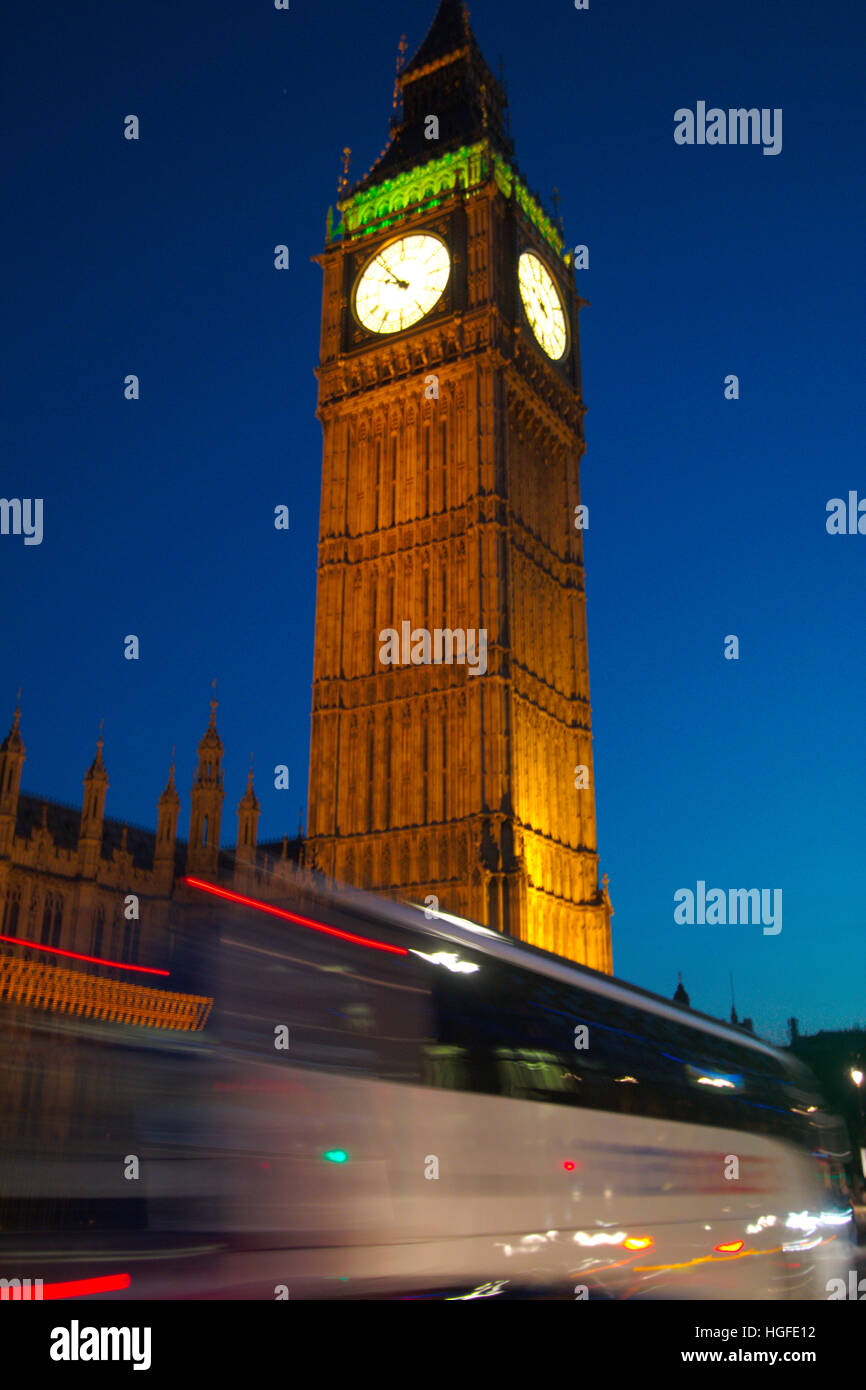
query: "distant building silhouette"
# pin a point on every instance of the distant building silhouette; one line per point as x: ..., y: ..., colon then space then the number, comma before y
x: 831, y: 1056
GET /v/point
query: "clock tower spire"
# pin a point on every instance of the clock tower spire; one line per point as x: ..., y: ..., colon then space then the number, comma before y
x: 451, y: 756
x: 449, y: 80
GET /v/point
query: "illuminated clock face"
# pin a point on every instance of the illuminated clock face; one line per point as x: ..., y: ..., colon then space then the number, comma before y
x: 402, y: 283
x: 543, y: 305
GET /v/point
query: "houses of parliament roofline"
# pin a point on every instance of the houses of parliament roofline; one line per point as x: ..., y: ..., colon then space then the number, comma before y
x: 66, y: 871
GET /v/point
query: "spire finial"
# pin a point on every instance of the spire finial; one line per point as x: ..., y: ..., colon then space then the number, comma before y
x: 402, y: 49
x: 344, y: 177
x: 170, y: 789
x: 213, y: 706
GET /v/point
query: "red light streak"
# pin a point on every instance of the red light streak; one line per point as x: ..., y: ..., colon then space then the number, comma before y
x: 73, y: 955
x: 79, y: 1288
x: 294, y: 917
x: 731, y: 1247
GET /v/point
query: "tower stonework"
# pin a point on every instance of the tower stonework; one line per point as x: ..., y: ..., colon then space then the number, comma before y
x: 452, y: 417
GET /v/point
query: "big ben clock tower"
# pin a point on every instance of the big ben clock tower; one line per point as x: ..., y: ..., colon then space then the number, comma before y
x: 450, y: 403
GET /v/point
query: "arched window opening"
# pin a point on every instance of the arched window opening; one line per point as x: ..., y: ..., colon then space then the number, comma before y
x: 11, y: 910
x: 98, y: 931
x: 57, y: 924
x: 47, y: 913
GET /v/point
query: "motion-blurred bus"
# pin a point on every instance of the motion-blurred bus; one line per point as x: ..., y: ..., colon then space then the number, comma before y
x: 354, y: 1098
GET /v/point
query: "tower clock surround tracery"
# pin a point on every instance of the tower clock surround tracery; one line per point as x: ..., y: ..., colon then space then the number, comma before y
x: 452, y: 417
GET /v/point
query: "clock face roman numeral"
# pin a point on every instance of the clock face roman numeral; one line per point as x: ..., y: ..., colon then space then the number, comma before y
x: 402, y: 283
x: 543, y: 305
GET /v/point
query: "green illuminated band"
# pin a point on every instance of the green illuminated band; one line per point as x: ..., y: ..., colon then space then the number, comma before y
x: 374, y: 209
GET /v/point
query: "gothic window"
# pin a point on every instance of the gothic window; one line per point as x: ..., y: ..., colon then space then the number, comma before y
x: 425, y: 767
x: 129, y: 949
x: 443, y: 429
x: 371, y: 756
x: 57, y: 924
x: 426, y: 511
x: 98, y: 931
x: 204, y: 833
x: 11, y: 908
x: 357, y: 611
x: 393, y: 479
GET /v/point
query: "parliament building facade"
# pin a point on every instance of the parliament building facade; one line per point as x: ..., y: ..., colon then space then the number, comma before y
x: 74, y: 880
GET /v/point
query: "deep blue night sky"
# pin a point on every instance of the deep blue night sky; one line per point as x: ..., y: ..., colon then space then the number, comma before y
x: 707, y: 516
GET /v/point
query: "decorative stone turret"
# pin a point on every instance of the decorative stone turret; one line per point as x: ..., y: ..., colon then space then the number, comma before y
x: 207, y: 800
x: 168, y: 809
x: 248, y: 820
x: 92, y: 814
x: 12, y: 757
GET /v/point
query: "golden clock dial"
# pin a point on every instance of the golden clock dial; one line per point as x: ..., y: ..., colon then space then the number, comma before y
x: 543, y: 305
x: 402, y: 283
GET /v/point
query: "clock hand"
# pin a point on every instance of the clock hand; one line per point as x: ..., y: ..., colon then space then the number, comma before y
x: 404, y: 284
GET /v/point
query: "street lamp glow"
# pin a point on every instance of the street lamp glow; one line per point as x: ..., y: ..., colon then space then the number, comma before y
x: 856, y: 1076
